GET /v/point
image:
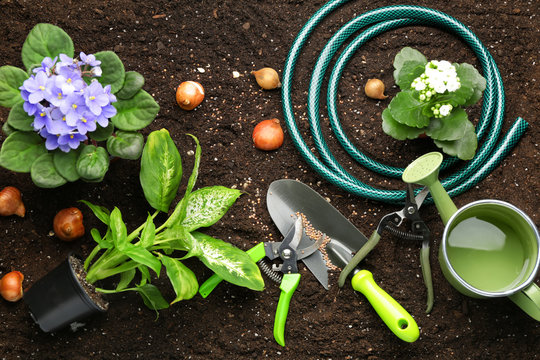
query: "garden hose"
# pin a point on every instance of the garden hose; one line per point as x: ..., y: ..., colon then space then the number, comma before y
x: 489, y: 153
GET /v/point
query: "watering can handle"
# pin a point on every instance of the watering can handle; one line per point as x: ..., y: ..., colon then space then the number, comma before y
x: 288, y: 286
x: 391, y: 312
x: 528, y: 300
x: 359, y: 256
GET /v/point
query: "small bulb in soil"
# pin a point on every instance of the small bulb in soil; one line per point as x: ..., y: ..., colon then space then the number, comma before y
x: 375, y: 89
x: 268, y: 135
x: 267, y: 78
x: 11, y: 286
x: 11, y: 202
x: 68, y: 224
x: 189, y: 95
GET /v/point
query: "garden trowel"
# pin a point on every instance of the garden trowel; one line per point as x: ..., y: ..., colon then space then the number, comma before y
x: 287, y: 199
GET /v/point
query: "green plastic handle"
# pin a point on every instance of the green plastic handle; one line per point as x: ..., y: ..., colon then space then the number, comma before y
x: 390, y: 311
x: 288, y: 286
x: 359, y: 256
x: 256, y: 253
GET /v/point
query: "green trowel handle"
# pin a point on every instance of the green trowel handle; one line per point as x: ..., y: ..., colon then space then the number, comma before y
x: 256, y: 253
x: 393, y: 314
x: 288, y: 286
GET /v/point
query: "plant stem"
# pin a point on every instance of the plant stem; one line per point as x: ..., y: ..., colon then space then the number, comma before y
x: 136, y: 232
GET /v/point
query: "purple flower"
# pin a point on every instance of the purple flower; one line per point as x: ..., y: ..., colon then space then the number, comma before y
x: 95, y: 97
x: 89, y: 59
x: 38, y: 87
x: 69, y: 80
x: 42, y: 118
x: 51, y: 140
x: 70, y: 141
x: 86, y: 123
x: 29, y: 108
x: 46, y: 66
x: 73, y: 107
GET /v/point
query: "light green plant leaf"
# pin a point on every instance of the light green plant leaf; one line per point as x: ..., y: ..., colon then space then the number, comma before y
x: 103, y: 243
x: 229, y: 262
x: 145, y: 275
x: 66, y: 164
x: 396, y: 130
x: 148, y: 233
x: 118, y: 229
x: 7, y: 130
x: 161, y: 170
x: 463, y: 148
x: 125, y: 279
x: 135, y: 113
x: 113, y: 71
x: 93, y: 162
x: 102, y: 133
x: 45, y: 40
x: 133, y: 82
x: 407, y: 110
x: 152, y: 297
x: 11, y: 78
x: 408, y: 54
x: 408, y: 72
x: 44, y: 174
x: 182, y: 279
x: 142, y: 256
x: 451, y: 127
x: 100, y: 212
x: 126, y: 145
x: 20, y: 150
x: 19, y: 119
x: 470, y: 78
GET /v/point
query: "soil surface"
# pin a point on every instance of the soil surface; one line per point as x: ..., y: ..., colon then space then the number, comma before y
x: 207, y: 41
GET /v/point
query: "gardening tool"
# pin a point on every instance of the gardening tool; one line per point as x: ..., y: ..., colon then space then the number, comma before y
x: 489, y: 248
x: 342, y: 239
x: 390, y: 223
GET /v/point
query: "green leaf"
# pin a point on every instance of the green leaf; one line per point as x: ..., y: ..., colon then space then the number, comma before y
x: 207, y: 205
x: 11, y: 78
x: 118, y: 229
x: 102, y: 133
x: 408, y: 54
x: 173, y: 238
x: 451, y: 127
x: 396, y: 130
x: 45, y: 40
x: 470, y: 78
x: 7, y: 129
x: 161, y: 170
x: 142, y: 256
x: 148, y: 233
x: 133, y: 82
x: 407, y: 110
x: 135, y: 113
x: 112, y: 70
x: 125, y: 279
x: 126, y: 145
x: 103, y: 243
x: 152, y: 297
x: 229, y: 262
x: 44, y: 174
x: 100, y: 212
x: 93, y: 162
x: 182, y: 279
x: 19, y: 119
x: 145, y: 275
x: 20, y: 150
x: 463, y: 148
x: 65, y: 164
x: 408, y: 72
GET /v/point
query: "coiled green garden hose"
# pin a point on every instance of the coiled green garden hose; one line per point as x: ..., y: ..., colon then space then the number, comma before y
x: 489, y: 153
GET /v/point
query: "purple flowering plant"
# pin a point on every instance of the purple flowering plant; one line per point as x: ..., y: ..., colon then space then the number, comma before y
x: 69, y: 115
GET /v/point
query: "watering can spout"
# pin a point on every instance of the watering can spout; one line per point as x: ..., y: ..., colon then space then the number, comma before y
x: 425, y: 171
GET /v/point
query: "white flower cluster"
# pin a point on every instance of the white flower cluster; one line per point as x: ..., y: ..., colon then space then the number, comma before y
x: 440, y: 111
x: 439, y: 77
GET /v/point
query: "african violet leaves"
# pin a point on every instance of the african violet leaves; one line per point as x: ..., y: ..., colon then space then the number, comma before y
x: 44, y: 173
x: 20, y: 150
x: 11, y: 78
x: 135, y: 113
x: 45, y: 40
x: 161, y: 170
x: 133, y: 82
x: 126, y: 145
x: 112, y: 70
x: 93, y: 163
x: 19, y: 119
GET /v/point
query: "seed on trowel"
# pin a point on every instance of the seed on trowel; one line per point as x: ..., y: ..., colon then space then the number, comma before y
x: 316, y: 235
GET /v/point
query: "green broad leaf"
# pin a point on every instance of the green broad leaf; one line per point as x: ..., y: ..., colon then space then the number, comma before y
x: 7, y: 129
x: 449, y: 128
x: 20, y: 150
x: 148, y: 233
x: 11, y: 78
x: 408, y: 72
x: 229, y: 262
x: 102, y: 133
x: 161, y: 170
x: 44, y: 174
x: 125, y: 279
x: 126, y: 145
x: 135, y: 113
x: 100, y: 212
x: 118, y: 230
x: 463, y: 148
x: 470, y: 78
x: 151, y: 296
x: 19, y: 119
x: 407, y: 110
x: 45, y: 40
x: 174, y: 238
x: 112, y: 70
x: 207, y: 205
x: 103, y: 243
x: 66, y: 164
x: 93, y: 162
x: 182, y: 279
x: 145, y: 275
x: 408, y: 54
x: 396, y: 130
x: 133, y: 82
x: 142, y: 256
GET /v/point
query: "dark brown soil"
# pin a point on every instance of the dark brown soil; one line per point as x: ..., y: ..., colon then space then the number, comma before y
x: 206, y: 41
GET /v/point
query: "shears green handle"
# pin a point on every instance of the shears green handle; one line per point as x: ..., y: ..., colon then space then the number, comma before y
x: 288, y: 286
x: 256, y: 253
x: 390, y: 311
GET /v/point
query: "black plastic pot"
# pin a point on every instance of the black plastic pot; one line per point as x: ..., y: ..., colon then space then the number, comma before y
x: 58, y: 299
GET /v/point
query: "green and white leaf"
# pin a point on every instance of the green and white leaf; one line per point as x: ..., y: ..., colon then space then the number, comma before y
x: 19, y: 119
x: 66, y: 164
x: 449, y: 128
x: 463, y: 148
x: 112, y: 70
x: 20, y: 150
x: 11, y: 78
x: 45, y: 40
x: 396, y: 130
x: 44, y: 173
x: 133, y: 82
x: 183, y: 280
x: 126, y: 145
x: 135, y: 113
x: 93, y: 162
x: 407, y: 110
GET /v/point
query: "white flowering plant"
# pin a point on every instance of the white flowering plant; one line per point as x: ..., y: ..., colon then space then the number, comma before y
x: 431, y: 101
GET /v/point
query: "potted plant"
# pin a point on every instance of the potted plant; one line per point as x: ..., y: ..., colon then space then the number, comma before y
x: 431, y: 101
x: 70, y: 114
x: 136, y: 257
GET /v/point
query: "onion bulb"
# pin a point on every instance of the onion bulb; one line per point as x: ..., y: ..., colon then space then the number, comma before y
x: 11, y: 286
x: 68, y: 224
x: 11, y: 202
x: 189, y: 95
x: 268, y: 135
x: 375, y: 89
x: 267, y: 78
